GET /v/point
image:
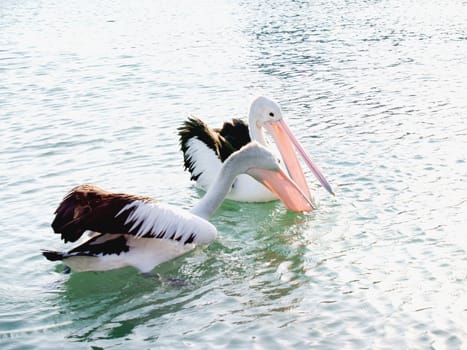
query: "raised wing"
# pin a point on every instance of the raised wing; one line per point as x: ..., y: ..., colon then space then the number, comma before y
x: 236, y: 133
x: 204, y: 148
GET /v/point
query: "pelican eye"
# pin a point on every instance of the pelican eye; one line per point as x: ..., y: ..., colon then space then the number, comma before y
x: 271, y: 114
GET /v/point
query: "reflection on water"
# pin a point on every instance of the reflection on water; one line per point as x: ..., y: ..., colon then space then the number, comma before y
x: 374, y: 90
x: 112, y: 306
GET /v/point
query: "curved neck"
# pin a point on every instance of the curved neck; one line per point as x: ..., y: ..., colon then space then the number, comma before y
x: 217, y: 191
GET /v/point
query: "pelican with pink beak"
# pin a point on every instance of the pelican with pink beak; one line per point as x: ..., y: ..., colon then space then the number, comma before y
x: 205, y: 149
x: 138, y: 231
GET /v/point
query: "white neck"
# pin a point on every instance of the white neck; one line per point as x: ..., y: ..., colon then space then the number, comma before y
x: 256, y: 132
x: 217, y: 191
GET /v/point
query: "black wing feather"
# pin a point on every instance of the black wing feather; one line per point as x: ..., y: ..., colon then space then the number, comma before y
x: 102, y: 244
x: 236, y: 133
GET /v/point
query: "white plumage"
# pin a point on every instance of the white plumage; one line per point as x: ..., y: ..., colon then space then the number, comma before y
x: 167, y: 222
x: 137, y: 231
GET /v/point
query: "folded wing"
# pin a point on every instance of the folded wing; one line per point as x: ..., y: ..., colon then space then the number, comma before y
x: 88, y: 207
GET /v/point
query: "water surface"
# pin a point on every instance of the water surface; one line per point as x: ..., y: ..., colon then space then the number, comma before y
x: 375, y: 90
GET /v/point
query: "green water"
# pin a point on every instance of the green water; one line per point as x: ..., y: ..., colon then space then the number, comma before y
x: 375, y: 91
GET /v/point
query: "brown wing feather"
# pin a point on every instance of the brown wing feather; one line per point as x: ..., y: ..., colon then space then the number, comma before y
x: 88, y: 207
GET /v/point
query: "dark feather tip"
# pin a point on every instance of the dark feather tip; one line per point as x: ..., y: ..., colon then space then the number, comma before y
x: 52, y: 255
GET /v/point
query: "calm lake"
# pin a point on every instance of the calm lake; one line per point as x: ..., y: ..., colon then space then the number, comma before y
x: 93, y: 92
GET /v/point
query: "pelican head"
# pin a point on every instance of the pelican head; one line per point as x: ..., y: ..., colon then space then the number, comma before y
x: 264, y: 110
x: 266, y: 114
x: 258, y: 162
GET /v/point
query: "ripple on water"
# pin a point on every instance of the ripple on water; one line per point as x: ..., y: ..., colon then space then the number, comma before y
x: 375, y: 92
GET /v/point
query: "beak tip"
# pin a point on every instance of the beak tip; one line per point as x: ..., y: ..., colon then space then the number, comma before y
x: 329, y: 189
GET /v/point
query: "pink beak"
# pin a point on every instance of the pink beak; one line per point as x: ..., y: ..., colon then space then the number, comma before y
x: 286, y: 142
x: 284, y: 188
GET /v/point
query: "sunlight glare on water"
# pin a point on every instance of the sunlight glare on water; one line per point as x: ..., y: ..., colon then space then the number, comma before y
x: 93, y: 92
